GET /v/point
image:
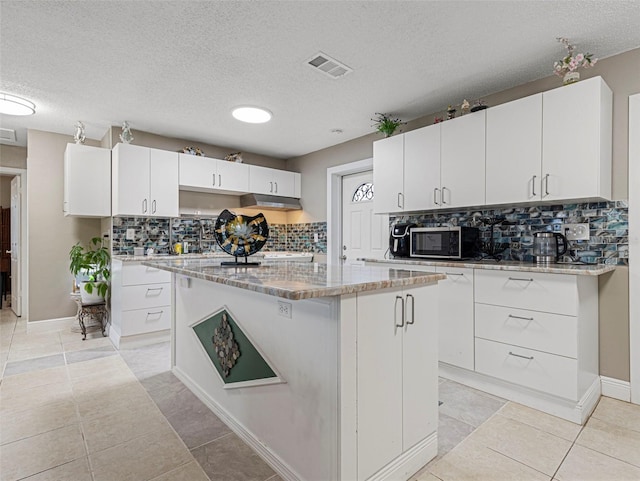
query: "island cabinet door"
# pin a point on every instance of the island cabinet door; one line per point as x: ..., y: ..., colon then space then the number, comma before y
x: 379, y: 391
x: 419, y: 365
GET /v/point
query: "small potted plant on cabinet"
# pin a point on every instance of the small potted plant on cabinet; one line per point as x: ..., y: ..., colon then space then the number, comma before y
x: 92, y: 270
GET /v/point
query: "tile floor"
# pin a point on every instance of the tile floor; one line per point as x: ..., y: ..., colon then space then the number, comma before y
x: 80, y: 410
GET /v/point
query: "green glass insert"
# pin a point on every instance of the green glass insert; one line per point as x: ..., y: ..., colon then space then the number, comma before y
x: 249, y: 365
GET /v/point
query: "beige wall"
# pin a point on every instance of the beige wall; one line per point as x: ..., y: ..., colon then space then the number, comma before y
x: 51, y: 234
x: 13, y: 156
x: 621, y: 74
x: 5, y: 190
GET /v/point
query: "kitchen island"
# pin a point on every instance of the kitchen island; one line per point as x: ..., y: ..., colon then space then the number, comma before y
x: 329, y: 372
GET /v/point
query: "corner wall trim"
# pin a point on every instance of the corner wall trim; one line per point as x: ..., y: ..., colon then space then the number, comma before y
x: 616, y: 388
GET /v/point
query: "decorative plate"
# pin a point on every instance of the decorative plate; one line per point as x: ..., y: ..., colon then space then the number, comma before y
x: 241, y: 235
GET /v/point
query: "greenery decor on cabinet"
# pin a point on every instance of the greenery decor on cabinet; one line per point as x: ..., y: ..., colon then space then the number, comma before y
x: 568, y: 66
x: 385, y: 124
x: 92, y: 269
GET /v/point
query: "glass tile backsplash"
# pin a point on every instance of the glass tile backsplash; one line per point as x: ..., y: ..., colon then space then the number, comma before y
x: 162, y: 233
x: 608, y: 228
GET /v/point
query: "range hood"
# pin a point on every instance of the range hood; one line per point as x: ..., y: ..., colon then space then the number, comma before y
x: 273, y: 202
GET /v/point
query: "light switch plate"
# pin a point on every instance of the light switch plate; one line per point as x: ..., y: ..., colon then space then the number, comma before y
x: 576, y: 231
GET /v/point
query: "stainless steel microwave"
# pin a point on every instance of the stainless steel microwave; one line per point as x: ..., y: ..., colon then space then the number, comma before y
x: 444, y: 242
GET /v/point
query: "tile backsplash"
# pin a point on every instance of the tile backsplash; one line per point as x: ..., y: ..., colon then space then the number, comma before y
x: 608, y: 228
x: 162, y: 233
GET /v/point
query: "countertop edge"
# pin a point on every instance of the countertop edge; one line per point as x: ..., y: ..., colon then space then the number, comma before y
x: 570, y: 269
x: 305, y: 293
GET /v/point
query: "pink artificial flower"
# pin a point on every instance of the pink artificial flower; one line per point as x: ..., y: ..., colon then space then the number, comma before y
x: 579, y: 57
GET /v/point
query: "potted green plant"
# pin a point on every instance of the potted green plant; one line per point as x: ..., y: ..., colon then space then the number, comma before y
x: 92, y: 270
x: 386, y: 124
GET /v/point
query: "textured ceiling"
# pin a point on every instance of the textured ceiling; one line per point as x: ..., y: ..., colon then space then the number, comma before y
x: 177, y: 68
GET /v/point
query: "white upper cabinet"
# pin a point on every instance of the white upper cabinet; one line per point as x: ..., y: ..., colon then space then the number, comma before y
x: 87, y: 181
x: 263, y: 180
x: 576, y: 141
x: 514, y: 151
x: 204, y: 174
x: 406, y: 171
x: 421, y: 168
x: 462, y: 161
x: 388, y: 174
x: 145, y: 181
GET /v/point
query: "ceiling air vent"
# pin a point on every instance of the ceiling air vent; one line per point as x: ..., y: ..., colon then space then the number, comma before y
x: 8, y: 136
x: 328, y: 66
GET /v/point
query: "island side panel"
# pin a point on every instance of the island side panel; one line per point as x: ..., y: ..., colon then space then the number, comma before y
x: 296, y: 421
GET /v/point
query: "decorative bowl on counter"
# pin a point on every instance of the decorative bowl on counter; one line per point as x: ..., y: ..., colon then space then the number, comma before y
x: 241, y: 235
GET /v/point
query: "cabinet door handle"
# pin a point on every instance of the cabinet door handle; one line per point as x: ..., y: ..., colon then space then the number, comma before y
x: 453, y: 274
x: 144, y: 206
x: 276, y: 184
x: 154, y: 313
x: 395, y: 312
x: 149, y: 289
x: 400, y: 202
x: 530, y: 358
x: 435, y: 191
x: 520, y: 317
x: 546, y: 184
x: 520, y: 279
x: 153, y: 207
x: 214, y: 179
x: 271, y: 187
x: 533, y: 186
x: 413, y: 308
x: 219, y: 180
x: 442, y: 195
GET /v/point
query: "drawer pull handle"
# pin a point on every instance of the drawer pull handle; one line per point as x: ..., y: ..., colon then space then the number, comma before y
x: 520, y: 279
x: 520, y: 317
x: 453, y: 274
x: 395, y: 312
x: 530, y: 358
x: 154, y: 313
x: 149, y: 289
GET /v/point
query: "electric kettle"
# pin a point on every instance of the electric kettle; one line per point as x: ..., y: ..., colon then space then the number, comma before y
x: 546, y: 247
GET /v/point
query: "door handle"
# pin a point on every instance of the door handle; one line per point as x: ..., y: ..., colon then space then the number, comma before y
x: 442, y: 195
x: 8, y: 252
x: 413, y: 308
x: 529, y: 358
x: 546, y: 184
x: 144, y: 206
x: 343, y: 257
x: 214, y: 179
x: 271, y: 187
x: 276, y: 184
x: 533, y: 186
x: 219, y: 180
x: 400, y: 202
x: 435, y: 191
x: 395, y: 312
x: 153, y: 207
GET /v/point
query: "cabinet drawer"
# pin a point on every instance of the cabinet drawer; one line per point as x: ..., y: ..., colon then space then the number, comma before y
x: 556, y: 375
x: 143, y: 297
x: 553, y: 333
x: 142, y: 321
x: 136, y: 274
x: 555, y: 293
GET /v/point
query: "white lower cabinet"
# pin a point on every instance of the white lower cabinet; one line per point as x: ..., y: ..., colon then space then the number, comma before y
x: 540, y: 331
x: 455, y: 317
x: 396, y: 381
x: 141, y: 303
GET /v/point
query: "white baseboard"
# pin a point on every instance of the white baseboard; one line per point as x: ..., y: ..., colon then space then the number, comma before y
x: 130, y: 342
x: 409, y: 462
x: 278, y: 465
x: 616, y: 388
x: 48, y: 325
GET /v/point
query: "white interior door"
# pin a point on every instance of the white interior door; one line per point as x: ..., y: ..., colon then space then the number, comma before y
x: 16, y: 286
x: 364, y: 234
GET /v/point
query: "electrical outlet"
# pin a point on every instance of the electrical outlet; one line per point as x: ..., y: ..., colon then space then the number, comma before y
x: 131, y: 234
x: 284, y: 309
x: 576, y: 231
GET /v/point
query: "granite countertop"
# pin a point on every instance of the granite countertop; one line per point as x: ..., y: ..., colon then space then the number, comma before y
x: 573, y: 269
x: 154, y: 257
x: 297, y: 280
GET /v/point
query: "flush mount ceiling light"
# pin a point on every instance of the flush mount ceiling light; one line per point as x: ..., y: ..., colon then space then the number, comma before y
x: 12, y: 105
x: 252, y: 115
